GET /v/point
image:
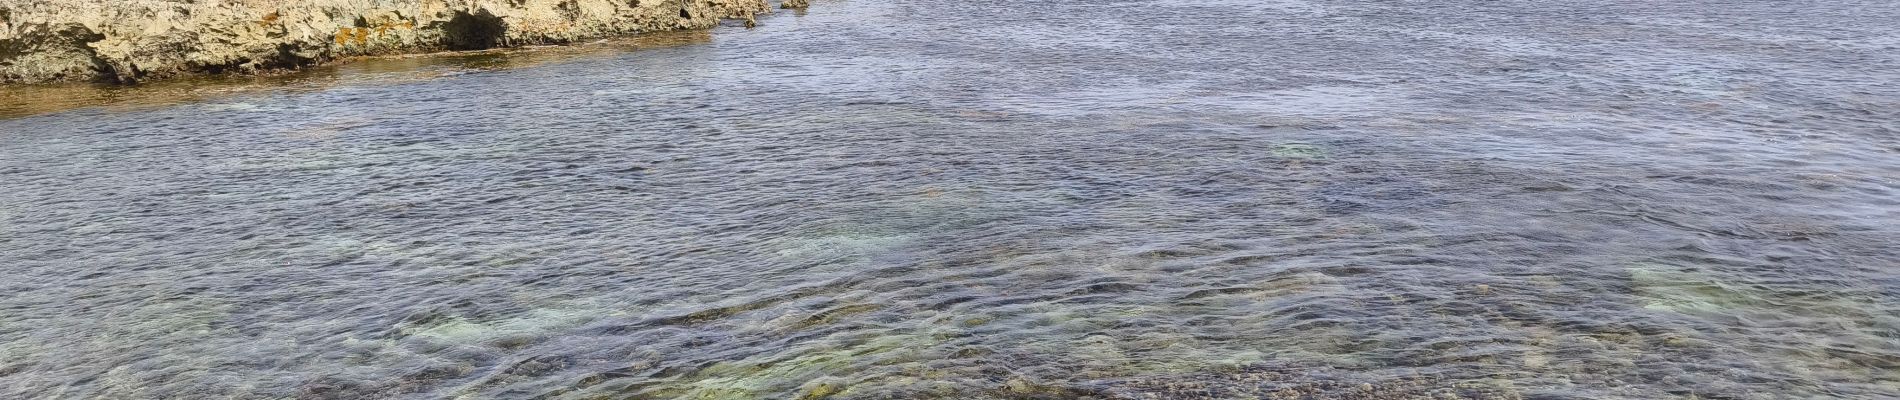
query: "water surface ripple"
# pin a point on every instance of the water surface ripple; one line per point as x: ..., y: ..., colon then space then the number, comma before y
x: 1001, y: 199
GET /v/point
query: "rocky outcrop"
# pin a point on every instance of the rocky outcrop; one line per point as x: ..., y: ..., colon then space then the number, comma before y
x: 132, y: 40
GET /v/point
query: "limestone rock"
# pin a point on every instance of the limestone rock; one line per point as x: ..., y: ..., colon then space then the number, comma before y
x: 132, y: 40
x: 50, y: 52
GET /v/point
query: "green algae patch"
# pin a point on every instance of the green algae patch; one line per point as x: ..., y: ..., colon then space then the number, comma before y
x: 505, y: 332
x: 1669, y: 288
x: 835, y: 314
x: 822, y: 389
x: 1697, y: 291
x: 1278, y: 286
x: 975, y: 321
x: 842, y: 246
x: 1299, y: 151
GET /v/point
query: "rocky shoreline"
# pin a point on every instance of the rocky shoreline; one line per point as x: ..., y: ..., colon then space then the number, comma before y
x: 128, y: 41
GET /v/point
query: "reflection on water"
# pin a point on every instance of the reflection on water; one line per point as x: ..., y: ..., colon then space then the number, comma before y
x: 20, y: 101
x: 1161, y: 199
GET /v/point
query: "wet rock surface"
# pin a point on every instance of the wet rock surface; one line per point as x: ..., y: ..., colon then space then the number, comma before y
x: 135, y: 40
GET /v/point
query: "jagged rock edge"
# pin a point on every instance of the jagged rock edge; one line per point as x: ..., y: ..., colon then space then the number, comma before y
x: 127, y: 41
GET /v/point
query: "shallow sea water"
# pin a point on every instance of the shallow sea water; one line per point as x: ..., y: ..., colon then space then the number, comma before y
x: 992, y: 199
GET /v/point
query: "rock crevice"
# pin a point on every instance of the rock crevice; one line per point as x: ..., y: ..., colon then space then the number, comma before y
x: 127, y: 41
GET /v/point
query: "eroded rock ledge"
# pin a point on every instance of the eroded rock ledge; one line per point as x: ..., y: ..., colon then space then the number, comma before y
x: 132, y: 40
